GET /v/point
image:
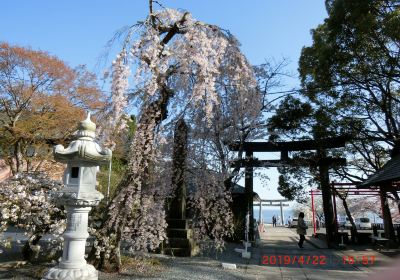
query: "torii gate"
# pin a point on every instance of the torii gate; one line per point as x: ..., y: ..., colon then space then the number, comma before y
x: 323, y: 164
x: 273, y: 203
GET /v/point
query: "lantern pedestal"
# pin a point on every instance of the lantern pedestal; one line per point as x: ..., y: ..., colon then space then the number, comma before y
x: 73, y: 265
x: 88, y: 272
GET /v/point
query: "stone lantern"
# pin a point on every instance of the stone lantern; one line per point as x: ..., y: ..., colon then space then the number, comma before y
x: 83, y: 157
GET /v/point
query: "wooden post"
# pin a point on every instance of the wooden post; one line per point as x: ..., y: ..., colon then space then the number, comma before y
x: 248, y: 188
x: 313, y: 211
x: 335, y: 209
x: 387, y: 217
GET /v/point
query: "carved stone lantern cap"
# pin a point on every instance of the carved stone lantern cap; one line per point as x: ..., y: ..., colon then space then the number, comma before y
x: 84, y: 148
x: 86, y: 128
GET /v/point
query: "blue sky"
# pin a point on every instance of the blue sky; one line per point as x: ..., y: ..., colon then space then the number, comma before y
x: 77, y: 31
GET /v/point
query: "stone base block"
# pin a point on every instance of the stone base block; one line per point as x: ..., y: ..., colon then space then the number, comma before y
x: 246, y: 255
x: 248, y: 244
x: 180, y: 241
x: 239, y: 250
x: 228, y: 266
x: 86, y: 273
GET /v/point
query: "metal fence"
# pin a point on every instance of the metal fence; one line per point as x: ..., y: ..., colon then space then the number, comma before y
x: 380, y: 226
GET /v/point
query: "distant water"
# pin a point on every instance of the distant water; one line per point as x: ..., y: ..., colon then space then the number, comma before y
x: 269, y: 212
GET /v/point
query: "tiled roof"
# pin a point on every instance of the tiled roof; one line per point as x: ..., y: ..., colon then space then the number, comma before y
x: 390, y: 172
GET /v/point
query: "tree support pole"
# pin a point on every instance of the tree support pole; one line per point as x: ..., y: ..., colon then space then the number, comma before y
x: 313, y: 212
x: 334, y: 208
x: 248, y: 186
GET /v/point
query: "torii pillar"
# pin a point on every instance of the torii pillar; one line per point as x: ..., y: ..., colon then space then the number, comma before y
x: 282, y: 217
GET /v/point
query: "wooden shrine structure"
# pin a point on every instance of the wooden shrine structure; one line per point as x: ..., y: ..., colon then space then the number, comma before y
x: 323, y: 164
x: 386, y: 180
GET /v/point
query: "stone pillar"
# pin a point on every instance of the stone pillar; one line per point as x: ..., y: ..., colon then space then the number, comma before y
x: 73, y: 264
x: 75, y: 237
x: 180, y: 240
x: 260, y: 214
x: 177, y: 207
x: 282, y: 217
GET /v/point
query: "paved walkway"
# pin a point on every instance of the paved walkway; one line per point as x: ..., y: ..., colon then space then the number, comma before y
x: 280, y: 255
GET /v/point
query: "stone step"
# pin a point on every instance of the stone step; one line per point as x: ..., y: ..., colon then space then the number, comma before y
x: 178, y: 223
x: 178, y: 252
x: 178, y: 243
x: 179, y: 233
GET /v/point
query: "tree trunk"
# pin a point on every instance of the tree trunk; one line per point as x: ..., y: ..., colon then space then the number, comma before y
x: 17, y: 157
x: 27, y: 252
x: 111, y: 263
x: 348, y: 214
x: 128, y: 196
x: 346, y: 208
x: 387, y: 217
x: 397, y: 199
x: 10, y: 162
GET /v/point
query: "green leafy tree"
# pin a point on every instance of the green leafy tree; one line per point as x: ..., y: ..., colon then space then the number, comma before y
x: 109, y: 179
x: 349, y: 85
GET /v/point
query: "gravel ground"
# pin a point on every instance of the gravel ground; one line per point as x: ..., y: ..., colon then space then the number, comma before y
x: 207, y: 267
x: 171, y: 269
x: 184, y: 269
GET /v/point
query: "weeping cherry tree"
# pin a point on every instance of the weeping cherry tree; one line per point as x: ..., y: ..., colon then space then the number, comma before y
x: 176, y: 62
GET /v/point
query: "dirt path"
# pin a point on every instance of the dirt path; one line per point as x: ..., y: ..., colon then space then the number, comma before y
x: 5, y: 171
